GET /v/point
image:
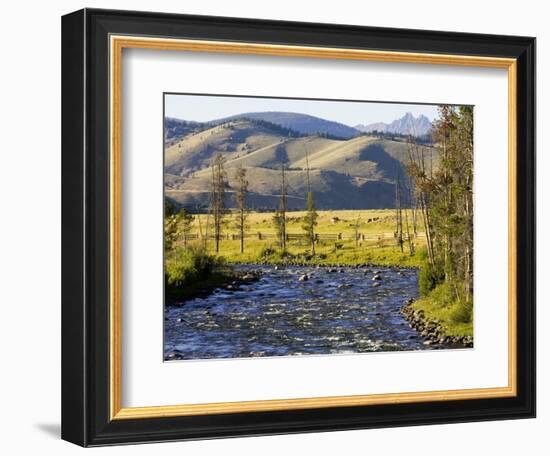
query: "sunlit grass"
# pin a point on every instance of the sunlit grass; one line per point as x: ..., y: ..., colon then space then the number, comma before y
x: 378, y: 248
x: 455, y: 316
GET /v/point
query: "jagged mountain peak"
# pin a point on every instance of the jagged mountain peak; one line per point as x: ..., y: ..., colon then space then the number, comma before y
x: 406, y: 125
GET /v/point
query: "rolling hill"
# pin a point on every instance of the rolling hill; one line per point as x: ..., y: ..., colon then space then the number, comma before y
x: 355, y: 173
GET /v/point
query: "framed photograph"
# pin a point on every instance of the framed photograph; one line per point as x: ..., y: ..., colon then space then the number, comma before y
x: 278, y: 227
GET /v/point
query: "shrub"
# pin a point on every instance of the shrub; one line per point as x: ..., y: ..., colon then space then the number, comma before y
x: 273, y: 255
x: 266, y: 252
x: 462, y: 312
x: 188, y: 264
x: 458, y: 309
x: 428, y: 279
x: 442, y: 295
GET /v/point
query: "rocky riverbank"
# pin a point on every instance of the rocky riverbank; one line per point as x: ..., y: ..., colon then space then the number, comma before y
x: 432, y: 330
x: 229, y: 280
x: 240, y: 279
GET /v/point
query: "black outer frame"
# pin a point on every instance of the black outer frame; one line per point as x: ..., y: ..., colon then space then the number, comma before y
x: 85, y: 227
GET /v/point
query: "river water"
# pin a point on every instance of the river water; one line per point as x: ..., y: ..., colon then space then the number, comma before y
x: 337, y: 310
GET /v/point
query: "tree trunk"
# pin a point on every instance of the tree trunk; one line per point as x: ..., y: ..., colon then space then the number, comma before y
x: 242, y: 231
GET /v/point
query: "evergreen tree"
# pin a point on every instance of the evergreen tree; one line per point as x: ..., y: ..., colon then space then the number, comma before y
x: 171, y: 231
x: 279, y: 218
x: 186, y: 220
x: 240, y: 196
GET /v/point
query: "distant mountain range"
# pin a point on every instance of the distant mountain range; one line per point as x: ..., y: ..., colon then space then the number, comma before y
x: 301, y: 123
x: 406, y: 125
x: 347, y: 170
x: 304, y: 125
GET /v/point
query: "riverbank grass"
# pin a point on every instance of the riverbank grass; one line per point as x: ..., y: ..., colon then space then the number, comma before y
x: 343, y: 253
x: 200, y: 287
x: 346, y: 255
x: 191, y: 271
x: 456, y: 317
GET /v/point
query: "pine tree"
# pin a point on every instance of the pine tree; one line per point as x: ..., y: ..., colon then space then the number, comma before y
x: 186, y: 224
x: 171, y: 231
x: 240, y: 196
x: 279, y: 219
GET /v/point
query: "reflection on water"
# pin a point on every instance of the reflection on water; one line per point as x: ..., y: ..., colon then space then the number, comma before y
x: 334, y: 311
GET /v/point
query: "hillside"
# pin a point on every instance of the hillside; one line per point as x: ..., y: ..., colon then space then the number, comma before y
x: 358, y: 173
x: 176, y: 129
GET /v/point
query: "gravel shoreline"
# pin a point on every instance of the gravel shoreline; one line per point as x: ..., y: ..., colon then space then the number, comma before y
x: 432, y: 330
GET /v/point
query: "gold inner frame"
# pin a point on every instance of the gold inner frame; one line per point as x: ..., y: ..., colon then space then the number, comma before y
x: 117, y: 44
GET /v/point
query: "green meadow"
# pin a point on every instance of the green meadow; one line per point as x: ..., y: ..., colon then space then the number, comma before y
x: 337, y: 230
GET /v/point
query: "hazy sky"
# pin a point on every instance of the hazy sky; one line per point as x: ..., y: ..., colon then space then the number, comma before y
x: 203, y: 108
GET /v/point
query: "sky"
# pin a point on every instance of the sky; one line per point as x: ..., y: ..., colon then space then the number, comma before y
x: 202, y: 108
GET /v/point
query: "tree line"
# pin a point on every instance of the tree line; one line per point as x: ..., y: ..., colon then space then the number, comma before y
x: 443, y: 188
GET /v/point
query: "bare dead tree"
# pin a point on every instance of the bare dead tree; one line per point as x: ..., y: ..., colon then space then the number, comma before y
x: 414, y: 217
x: 411, y: 243
x: 398, y: 212
x: 356, y: 226
x: 217, y: 198
x: 419, y: 173
x: 310, y: 219
x: 201, y: 234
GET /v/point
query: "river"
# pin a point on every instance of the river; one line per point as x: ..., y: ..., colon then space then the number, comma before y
x: 336, y: 310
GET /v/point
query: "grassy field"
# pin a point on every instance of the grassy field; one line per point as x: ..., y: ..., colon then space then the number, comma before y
x: 379, y: 245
